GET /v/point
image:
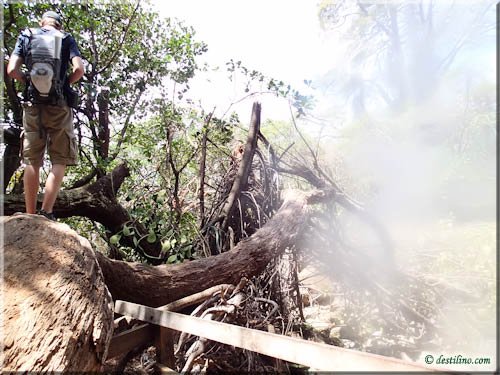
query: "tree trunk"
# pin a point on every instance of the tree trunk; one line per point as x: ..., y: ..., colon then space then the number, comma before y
x: 156, y: 286
x: 59, y: 315
x: 287, y: 288
x: 96, y: 201
x: 57, y: 312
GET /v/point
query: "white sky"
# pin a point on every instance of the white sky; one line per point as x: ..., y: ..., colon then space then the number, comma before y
x: 280, y: 38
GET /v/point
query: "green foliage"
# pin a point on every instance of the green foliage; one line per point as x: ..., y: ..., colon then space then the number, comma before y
x: 162, y: 192
x: 134, y: 108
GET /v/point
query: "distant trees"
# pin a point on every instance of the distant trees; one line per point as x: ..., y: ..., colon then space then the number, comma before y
x: 399, y: 52
x: 418, y: 78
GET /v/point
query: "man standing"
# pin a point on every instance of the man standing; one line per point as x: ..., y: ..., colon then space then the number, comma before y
x: 47, y: 118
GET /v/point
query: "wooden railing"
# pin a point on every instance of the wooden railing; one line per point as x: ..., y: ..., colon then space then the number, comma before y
x: 317, y: 356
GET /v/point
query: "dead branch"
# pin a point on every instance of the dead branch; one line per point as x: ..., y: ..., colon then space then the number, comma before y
x: 242, y: 176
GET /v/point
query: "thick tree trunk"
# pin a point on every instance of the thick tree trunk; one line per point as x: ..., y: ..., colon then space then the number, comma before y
x: 156, y: 286
x: 96, y: 201
x: 57, y: 312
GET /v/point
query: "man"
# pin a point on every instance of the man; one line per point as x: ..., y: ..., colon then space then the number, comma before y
x: 49, y: 122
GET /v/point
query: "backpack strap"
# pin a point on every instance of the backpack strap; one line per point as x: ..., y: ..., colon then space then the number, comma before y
x: 29, y: 32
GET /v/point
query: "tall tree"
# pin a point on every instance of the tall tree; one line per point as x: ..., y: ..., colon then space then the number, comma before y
x: 131, y: 56
x: 398, y: 52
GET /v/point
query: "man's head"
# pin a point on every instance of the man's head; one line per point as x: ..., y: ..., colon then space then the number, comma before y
x: 51, y: 18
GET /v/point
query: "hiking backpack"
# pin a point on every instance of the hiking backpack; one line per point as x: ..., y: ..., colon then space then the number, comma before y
x: 43, y: 61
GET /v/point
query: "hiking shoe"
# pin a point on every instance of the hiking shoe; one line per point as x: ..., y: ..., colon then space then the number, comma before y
x: 48, y: 215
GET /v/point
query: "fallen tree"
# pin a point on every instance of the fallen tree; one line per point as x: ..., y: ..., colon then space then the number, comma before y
x: 57, y: 311
x: 95, y: 201
x: 159, y: 285
x: 56, y: 292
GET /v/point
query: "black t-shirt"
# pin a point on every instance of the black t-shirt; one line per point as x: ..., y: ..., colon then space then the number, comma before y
x: 69, y: 50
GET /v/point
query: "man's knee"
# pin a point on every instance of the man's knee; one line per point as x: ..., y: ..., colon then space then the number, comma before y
x: 59, y: 170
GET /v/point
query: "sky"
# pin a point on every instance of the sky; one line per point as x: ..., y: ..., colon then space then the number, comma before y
x: 281, y: 39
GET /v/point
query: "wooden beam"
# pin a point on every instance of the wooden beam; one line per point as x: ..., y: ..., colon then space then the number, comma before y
x: 164, y: 343
x: 315, y: 355
x: 124, y: 342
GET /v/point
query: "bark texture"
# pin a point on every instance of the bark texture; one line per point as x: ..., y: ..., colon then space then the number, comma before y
x: 158, y: 285
x: 57, y: 312
x: 96, y: 201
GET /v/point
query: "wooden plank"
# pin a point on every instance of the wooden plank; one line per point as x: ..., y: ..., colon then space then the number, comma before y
x: 165, y: 346
x: 315, y: 355
x: 126, y: 341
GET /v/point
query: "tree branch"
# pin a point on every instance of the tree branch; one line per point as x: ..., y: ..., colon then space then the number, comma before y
x: 120, y: 44
x: 98, y: 203
x: 244, y: 169
x: 248, y: 258
x: 203, y: 159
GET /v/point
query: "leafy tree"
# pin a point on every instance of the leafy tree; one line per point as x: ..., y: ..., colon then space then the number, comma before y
x: 131, y: 56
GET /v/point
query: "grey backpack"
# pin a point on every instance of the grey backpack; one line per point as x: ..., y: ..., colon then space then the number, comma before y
x: 44, y: 65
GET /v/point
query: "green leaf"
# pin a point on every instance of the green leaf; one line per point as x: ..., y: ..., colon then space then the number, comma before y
x: 115, y: 239
x: 151, y: 237
x: 172, y: 258
x: 183, y: 240
x: 127, y: 231
x: 165, y: 246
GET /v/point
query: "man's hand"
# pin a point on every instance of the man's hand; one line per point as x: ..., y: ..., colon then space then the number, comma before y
x: 14, y: 68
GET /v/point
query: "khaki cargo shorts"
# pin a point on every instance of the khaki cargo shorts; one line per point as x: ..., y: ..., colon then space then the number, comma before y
x: 57, y: 134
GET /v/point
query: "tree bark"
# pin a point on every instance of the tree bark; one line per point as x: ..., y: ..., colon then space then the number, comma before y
x: 96, y: 201
x: 156, y: 286
x: 11, y: 158
x: 242, y: 177
x: 57, y: 311
x: 103, y: 105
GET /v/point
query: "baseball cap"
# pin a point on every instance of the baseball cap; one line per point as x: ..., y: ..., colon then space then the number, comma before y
x: 54, y: 15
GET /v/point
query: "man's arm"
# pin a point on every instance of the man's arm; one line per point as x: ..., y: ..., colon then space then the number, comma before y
x: 14, y: 68
x: 78, y: 69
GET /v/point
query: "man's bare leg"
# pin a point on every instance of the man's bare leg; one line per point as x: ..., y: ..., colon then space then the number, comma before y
x: 52, y: 187
x: 31, y: 184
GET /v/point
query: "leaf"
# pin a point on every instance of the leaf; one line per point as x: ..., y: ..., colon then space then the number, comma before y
x: 151, y: 237
x: 127, y: 231
x: 183, y: 240
x: 172, y: 258
x: 165, y: 246
x: 115, y: 239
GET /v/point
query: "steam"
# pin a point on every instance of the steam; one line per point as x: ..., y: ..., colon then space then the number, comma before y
x: 428, y: 173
